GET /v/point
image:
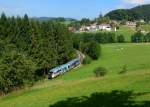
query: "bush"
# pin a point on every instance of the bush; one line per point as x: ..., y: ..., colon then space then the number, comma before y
x: 87, y: 60
x: 100, y: 71
x: 147, y: 37
x: 120, y: 39
x: 137, y: 37
x: 118, y: 27
x: 92, y: 49
x: 124, y: 69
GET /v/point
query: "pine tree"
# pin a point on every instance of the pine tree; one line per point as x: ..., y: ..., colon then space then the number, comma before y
x: 3, y: 26
x: 63, y: 43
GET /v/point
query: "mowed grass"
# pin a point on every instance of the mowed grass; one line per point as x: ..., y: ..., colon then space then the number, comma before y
x: 82, y: 82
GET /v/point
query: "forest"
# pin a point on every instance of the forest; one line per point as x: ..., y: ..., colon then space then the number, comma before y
x: 136, y: 13
x: 29, y: 48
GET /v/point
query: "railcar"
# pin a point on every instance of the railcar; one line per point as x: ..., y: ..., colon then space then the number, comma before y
x: 63, y: 68
x: 54, y: 72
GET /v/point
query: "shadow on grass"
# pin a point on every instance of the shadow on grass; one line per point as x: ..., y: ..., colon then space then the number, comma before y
x: 112, y: 99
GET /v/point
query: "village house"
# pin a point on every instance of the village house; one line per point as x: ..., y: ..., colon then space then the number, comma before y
x: 105, y: 27
x: 84, y: 28
x: 131, y: 24
x: 96, y: 27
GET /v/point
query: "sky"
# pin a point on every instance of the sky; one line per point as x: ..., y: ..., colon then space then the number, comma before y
x: 65, y: 8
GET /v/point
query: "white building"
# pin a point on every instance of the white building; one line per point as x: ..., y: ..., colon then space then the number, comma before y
x: 131, y: 24
x: 105, y: 27
x: 95, y: 27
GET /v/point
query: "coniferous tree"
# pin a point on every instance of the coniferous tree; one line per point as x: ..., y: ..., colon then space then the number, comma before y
x: 15, y: 71
x: 63, y: 43
x: 38, y: 45
x: 3, y: 26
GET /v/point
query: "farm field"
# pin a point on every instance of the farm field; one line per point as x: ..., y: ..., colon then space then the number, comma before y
x: 126, y: 31
x: 113, y: 90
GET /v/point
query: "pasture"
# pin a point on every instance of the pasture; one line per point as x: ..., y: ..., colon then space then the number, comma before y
x: 131, y: 89
x: 126, y: 31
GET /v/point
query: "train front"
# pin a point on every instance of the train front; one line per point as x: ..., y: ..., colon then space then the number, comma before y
x: 51, y: 74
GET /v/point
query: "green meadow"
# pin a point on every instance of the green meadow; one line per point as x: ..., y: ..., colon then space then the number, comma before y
x: 113, y: 90
x: 126, y: 31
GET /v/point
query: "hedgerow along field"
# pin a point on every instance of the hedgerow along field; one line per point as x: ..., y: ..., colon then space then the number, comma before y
x: 129, y: 87
x: 124, y: 30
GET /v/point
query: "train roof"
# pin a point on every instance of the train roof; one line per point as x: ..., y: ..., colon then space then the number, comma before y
x: 72, y: 61
x: 55, y: 69
x: 58, y: 68
x: 64, y: 65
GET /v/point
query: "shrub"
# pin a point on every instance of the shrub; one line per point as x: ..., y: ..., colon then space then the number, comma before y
x: 137, y: 37
x: 124, y: 69
x: 93, y: 49
x: 118, y: 27
x: 100, y: 71
x: 120, y: 39
x: 147, y: 37
x: 87, y: 60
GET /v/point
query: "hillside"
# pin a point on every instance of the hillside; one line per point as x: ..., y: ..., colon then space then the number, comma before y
x: 61, y: 19
x: 139, y: 12
x: 80, y: 88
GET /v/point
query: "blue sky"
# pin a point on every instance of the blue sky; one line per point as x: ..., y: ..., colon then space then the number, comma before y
x: 64, y: 8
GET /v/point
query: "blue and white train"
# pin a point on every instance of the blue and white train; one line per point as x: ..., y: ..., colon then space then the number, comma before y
x: 63, y: 68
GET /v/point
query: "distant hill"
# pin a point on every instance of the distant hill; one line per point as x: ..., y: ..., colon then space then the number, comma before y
x: 136, y: 13
x: 53, y: 18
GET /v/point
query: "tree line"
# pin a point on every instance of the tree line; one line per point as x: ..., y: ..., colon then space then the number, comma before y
x: 140, y: 37
x: 100, y: 37
x: 89, y: 43
x: 29, y: 48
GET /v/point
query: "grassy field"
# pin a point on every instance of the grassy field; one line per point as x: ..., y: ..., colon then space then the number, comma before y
x: 67, y: 22
x: 114, y: 90
x: 126, y: 31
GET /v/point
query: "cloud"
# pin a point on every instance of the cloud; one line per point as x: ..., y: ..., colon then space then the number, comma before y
x: 138, y: 2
